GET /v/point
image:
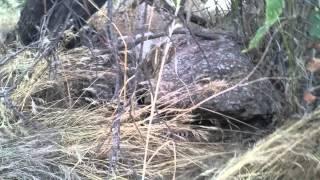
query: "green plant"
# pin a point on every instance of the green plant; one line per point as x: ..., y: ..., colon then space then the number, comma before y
x: 274, y: 9
x: 314, y: 19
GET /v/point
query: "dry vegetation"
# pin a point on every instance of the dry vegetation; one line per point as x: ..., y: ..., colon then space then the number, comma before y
x: 65, y: 137
x: 75, y: 142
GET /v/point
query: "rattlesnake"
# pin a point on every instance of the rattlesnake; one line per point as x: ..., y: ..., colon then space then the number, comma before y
x: 197, y: 72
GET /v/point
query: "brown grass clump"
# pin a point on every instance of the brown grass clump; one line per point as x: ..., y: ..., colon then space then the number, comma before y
x: 74, y: 144
x: 291, y: 152
x: 62, y: 141
x: 67, y: 135
x: 59, y: 141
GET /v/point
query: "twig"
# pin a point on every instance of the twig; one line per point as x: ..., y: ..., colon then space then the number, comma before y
x: 132, y: 43
x: 154, y: 100
x: 115, y: 129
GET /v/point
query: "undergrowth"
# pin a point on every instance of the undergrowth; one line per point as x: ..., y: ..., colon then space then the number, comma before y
x: 61, y: 139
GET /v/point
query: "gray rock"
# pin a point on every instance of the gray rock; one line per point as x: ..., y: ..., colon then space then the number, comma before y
x: 195, y: 74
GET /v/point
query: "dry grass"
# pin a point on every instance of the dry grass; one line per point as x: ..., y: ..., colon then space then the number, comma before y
x: 74, y: 142
x: 63, y: 141
x: 291, y: 152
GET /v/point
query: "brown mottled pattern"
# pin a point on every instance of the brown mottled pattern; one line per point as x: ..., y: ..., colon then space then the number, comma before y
x: 223, y: 60
x: 85, y: 72
x: 220, y: 59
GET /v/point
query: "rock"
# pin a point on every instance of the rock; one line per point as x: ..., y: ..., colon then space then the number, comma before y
x: 198, y: 72
x: 34, y: 11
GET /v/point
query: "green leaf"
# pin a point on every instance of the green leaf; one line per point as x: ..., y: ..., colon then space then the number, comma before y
x: 257, y: 38
x: 314, y: 19
x: 274, y: 9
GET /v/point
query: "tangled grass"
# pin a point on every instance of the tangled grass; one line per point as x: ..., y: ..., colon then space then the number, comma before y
x: 75, y: 142
x: 60, y: 141
x: 291, y: 152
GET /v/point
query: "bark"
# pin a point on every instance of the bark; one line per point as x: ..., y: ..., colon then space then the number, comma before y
x: 57, y: 13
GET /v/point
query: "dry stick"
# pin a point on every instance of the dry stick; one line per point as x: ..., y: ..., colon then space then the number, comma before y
x: 154, y: 100
x: 205, y: 35
x: 115, y: 129
x: 117, y: 122
x: 128, y: 43
x: 45, y: 6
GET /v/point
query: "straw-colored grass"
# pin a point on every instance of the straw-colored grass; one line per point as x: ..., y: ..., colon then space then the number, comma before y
x: 74, y: 142
x: 291, y: 152
x: 66, y: 138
